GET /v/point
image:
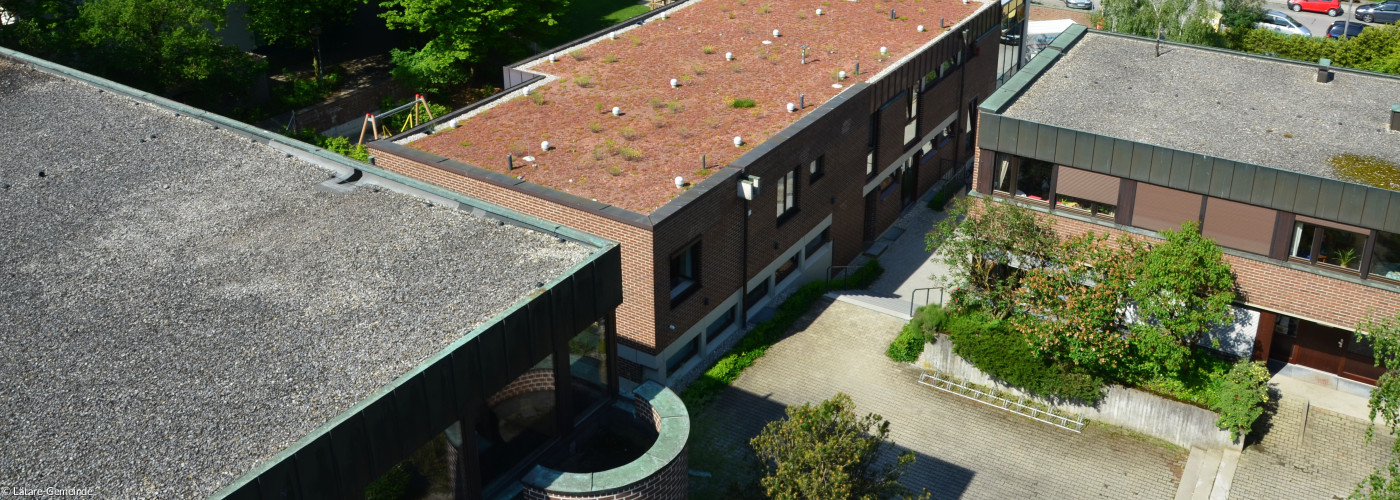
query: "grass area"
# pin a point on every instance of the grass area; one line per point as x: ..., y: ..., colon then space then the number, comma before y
x: 586, y: 16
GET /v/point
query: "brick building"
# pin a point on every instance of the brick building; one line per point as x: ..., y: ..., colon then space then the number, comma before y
x: 735, y: 153
x: 1125, y: 137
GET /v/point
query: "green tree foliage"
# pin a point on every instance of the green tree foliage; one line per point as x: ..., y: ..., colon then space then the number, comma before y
x: 1384, y: 336
x: 827, y: 451
x: 41, y: 27
x: 1377, y: 48
x: 462, y: 32
x: 1186, y: 21
x: 909, y: 344
x: 1240, y: 397
x: 1240, y: 14
x: 980, y: 240
x: 1183, y: 287
x: 298, y: 22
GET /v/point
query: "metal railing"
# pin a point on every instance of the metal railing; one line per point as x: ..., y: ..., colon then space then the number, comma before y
x: 1072, y: 422
x: 928, y: 293
x: 828, y: 273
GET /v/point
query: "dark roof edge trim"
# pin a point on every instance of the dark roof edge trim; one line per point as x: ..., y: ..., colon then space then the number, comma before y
x: 1023, y: 79
x: 425, y: 127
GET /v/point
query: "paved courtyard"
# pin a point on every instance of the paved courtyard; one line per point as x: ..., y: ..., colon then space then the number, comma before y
x: 1325, y: 462
x: 965, y: 450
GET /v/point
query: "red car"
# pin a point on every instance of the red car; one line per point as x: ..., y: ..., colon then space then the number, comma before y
x: 1331, y: 7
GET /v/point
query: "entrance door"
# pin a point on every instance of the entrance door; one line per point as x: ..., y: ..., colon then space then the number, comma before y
x: 1285, y: 336
x: 1320, y: 347
x: 909, y: 184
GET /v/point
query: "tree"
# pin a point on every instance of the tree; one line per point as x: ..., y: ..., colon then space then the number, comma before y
x: 1384, y: 336
x: 40, y: 27
x: 984, y: 243
x: 1185, y: 21
x: 462, y: 32
x: 1073, y: 311
x: 298, y: 23
x: 826, y: 451
x: 1183, y: 288
x: 1240, y: 14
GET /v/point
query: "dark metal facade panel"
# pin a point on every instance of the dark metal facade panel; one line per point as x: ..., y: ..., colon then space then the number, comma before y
x: 1141, y: 169
x: 1305, y: 197
x: 280, y: 481
x: 443, y: 398
x: 1392, y: 217
x: 1010, y: 133
x: 384, y: 445
x: 519, y: 353
x: 1243, y: 183
x: 1329, y: 199
x: 541, y: 328
x: 988, y: 129
x: 1285, y: 188
x: 609, y: 292
x: 412, y: 405
x: 1201, y: 170
x: 1103, y: 154
x: 1222, y: 172
x: 1064, y: 146
x: 492, y: 359
x: 1353, y: 201
x: 1181, y: 171
x: 1026, y: 138
x: 1160, y: 172
x: 584, y: 305
x: 316, y: 466
x: 1263, y: 192
x: 1377, y: 205
x: 1122, y: 161
x: 1083, y: 150
x: 1045, y: 144
x: 352, y: 453
x: 466, y: 379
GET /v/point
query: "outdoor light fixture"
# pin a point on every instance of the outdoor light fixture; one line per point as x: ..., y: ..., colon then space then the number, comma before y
x: 749, y: 187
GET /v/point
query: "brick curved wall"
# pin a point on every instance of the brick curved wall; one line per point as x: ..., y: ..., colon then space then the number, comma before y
x: 531, y: 381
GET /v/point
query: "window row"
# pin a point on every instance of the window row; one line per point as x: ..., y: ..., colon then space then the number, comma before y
x: 1316, y: 242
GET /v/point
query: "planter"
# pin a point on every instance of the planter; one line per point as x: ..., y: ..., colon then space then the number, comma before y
x: 1140, y: 411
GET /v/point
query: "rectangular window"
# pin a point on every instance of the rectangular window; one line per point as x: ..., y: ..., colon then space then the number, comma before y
x: 685, y: 272
x: 1094, y: 208
x: 911, y: 115
x: 1327, y: 244
x: 1156, y: 208
x: 757, y: 293
x: 1033, y: 179
x: 680, y: 357
x: 786, y: 269
x: 1385, y: 258
x: 1239, y: 226
x: 1001, y: 174
x: 870, y: 164
x: 815, y: 169
x: 817, y: 242
x: 787, y: 195
x: 717, y: 326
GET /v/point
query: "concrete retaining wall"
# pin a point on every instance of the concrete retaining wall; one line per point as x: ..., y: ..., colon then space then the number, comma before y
x: 1175, y: 422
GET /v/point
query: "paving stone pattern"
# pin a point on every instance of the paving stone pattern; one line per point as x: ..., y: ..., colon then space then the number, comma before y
x: 1325, y: 462
x: 965, y: 450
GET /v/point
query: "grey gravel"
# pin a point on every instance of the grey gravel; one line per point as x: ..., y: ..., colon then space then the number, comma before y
x: 176, y: 311
x: 1216, y: 103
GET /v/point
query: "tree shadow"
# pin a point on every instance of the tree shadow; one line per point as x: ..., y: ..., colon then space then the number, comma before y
x: 1264, y: 423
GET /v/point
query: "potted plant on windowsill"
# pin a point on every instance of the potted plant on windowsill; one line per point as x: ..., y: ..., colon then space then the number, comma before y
x: 1345, y: 257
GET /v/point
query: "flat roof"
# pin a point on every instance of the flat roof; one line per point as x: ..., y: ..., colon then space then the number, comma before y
x: 665, y: 129
x: 179, y: 304
x: 1229, y: 105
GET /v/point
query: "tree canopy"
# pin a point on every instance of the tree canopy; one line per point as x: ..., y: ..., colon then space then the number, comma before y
x: 460, y: 33
x: 1383, y: 333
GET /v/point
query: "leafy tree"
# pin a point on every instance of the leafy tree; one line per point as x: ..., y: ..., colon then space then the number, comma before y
x: 299, y: 22
x: 462, y: 32
x: 1377, y: 48
x: 981, y: 240
x: 1074, y: 311
x: 1186, y: 21
x: 1240, y: 14
x: 826, y: 451
x: 1240, y: 397
x: 1183, y: 288
x: 1384, y: 336
x: 40, y: 27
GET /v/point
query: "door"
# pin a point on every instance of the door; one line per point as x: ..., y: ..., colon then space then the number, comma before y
x: 1264, y: 336
x: 909, y: 184
x: 1285, y: 336
x: 1320, y: 347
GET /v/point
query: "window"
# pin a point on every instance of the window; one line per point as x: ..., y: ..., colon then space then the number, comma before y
x: 719, y: 325
x: 911, y: 115
x: 1286, y: 326
x: 872, y: 145
x: 870, y: 164
x: 1033, y: 179
x: 685, y: 272
x: 787, y: 195
x: 1327, y: 244
x: 1085, y: 191
x: 815, y: 169
x: 757, y: 293
x: 786, y: 269
x: 680, y: 357
x: 1001, y: 174
x: 817, y: 242
x: 1385, y: 258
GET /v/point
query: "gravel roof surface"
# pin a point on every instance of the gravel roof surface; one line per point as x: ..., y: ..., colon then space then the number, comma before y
x: 1221, y: 104
x: 631, y: 161
x: 177, y: 310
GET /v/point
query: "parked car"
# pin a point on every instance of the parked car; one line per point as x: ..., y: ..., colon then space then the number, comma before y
x: 1330, y: 7
x: 1280, y: 22
x: 1353, y: 29
x: 1385, y: 12
x: 1085, y: 4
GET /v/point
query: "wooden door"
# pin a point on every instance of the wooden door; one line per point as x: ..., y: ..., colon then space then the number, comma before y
x: 1263, y: 337
x: 1320, y: 347
x: 1285, y: 336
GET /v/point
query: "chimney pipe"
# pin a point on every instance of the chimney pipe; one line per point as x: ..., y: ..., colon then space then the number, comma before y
x: 1395, y: 117
x: 1324, y: 70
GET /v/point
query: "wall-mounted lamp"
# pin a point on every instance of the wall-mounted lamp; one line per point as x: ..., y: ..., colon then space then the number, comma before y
x: 748, y: 187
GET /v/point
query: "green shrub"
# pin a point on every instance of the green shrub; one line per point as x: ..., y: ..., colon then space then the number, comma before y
x: 703, y: 390
x: 338, y: 145
x: 1240, y: 397
x: 941, y: 198
x: 393, y: 485
x: 1006, y: 355
x: 920, y: 330
x: 742, y: 103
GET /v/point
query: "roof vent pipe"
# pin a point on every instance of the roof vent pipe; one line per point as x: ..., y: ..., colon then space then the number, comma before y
x: 1395, y: 117
x: 544, y: 145
x: 1324, y: 70
x: 612, y: 35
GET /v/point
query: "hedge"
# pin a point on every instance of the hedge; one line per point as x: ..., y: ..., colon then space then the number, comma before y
x: 992, y: 347
x: 705, y: 389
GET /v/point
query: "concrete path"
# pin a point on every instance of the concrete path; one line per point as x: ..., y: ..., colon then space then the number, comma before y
x: 964, y: 449
x: 1307, y: 451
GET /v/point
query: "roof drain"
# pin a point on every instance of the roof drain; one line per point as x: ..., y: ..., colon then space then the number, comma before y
x: 339, y: 187
x: 1395, y: 117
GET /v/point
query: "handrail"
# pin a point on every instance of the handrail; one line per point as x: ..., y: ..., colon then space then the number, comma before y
x: 828, y: 273
x: 928, y: 292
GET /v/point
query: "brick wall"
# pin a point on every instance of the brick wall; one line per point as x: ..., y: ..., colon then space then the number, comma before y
x: 538, y: 380
x: 636, y: 319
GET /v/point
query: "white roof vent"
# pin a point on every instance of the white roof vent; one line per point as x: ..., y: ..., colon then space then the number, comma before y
x: 819, y: 12
x: 544, y: 145
x: 675, y: 83
x: 775, y: 34
x: 729, y: 56
x: 792, y: 107
x: 921, y: 28
x: 738, y: 141
x: 680, y: 182
x: 617, y: 111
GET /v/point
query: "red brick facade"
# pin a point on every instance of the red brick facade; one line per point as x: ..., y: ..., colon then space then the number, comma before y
x: 531, y: 381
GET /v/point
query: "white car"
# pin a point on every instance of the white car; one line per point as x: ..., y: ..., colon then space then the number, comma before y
x: 1280, y: 22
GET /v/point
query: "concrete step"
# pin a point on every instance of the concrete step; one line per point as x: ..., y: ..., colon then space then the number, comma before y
x: 1229, y: 461
x: 892, y: 306
x: 1190, y: 473
x: 1205, y: 480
